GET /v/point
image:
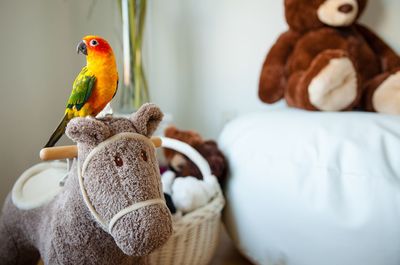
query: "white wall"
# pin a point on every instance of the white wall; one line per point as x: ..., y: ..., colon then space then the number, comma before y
x: 214, y: 49
x: 38, y: 63
x: 211, y: 51
x: 203, y: 60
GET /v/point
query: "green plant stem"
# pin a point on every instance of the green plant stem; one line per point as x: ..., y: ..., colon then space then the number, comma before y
x: 136, y: 55
x: 138, y: 81
x: 142, y: 17
x: 145, y: 84
x: 132, y: 37
x: 142, y: 20
x: 137, y: 92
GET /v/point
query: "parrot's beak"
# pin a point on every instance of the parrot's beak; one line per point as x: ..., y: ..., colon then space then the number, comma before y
x: 81, y: 48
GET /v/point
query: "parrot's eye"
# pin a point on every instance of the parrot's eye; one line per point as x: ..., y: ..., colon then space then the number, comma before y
x: 94, y: 43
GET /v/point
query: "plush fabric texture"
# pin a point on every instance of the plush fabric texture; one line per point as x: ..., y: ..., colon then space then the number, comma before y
x: 190, y: 137
x: 189, y: 193
x: 207, y: 148
x: 119, y: 175
x: 301, y: 54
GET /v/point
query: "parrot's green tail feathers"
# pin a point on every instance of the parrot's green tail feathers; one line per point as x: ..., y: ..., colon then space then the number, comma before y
x: 58, y: 132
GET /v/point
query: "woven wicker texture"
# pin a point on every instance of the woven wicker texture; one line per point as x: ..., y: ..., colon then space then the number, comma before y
x: 196, y: 234
x: 195, y: 237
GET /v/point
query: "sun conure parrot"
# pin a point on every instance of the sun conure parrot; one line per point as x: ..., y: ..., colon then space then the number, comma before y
x: 95, y: 85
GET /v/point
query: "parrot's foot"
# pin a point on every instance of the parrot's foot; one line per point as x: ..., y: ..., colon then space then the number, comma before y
x: 105, y: 112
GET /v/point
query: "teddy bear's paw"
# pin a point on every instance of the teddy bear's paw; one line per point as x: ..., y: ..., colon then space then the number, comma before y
x: 386, y: 98
x: 335, y: 86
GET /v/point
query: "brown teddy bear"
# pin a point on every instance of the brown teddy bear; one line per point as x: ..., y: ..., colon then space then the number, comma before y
x: 183, y: 167
x: 327, y: 61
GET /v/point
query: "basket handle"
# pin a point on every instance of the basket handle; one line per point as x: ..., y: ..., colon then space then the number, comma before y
x: 190, y: 152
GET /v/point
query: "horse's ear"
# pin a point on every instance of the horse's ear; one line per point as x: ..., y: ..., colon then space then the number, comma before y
x: 87, y: 130
x: 147, y: 119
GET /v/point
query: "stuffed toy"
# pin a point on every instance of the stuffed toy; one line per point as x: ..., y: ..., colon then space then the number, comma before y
x: 183, y: 167
x: 111, y: 208
x: 189, y: 193
x: 327, y: 61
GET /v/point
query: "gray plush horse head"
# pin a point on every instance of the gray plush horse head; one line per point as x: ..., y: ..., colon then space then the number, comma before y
x: 111, y: 207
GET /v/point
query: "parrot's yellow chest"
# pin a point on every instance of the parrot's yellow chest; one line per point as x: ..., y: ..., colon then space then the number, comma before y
x: 104, y: 88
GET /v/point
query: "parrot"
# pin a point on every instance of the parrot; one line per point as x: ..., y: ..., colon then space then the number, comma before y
x: 94, y: 87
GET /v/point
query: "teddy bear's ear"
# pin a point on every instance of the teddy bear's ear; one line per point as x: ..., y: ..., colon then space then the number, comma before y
x: 190, y: 137
x: 302, y: 16
x: 147, y: 119
x: 87, y: 130
x: 171, y: 131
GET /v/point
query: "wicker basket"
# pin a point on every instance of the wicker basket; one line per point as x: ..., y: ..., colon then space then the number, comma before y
x: 196, y: 234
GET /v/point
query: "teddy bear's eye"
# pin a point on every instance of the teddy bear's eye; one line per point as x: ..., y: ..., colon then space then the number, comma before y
x: 118, y: 161
x: 143, y: 155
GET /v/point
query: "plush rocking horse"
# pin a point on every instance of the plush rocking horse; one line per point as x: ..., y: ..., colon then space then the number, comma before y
x: 111, y: 208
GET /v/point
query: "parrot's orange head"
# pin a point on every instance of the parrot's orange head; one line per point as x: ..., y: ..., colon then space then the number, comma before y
x: 93, y: 46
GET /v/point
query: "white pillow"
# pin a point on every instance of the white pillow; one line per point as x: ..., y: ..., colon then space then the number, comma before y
x: 312, y: 188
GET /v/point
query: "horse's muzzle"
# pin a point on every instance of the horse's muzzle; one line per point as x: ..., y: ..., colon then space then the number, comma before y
x: 140, y: 232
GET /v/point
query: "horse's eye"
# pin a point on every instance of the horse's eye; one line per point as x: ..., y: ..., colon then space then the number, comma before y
x: 118, y: 161
x: 143, y: 154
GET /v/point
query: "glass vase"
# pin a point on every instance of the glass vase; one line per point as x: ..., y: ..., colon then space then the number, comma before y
x: 134, y: 87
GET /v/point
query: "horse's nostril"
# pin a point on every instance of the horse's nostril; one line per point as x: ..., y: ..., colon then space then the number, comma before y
x: 346, y: 8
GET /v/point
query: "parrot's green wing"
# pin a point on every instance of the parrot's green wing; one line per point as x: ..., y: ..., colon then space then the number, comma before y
x: 81, y: 89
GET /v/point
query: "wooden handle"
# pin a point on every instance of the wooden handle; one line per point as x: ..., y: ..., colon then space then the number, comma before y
x: 58, y: 152
x: 156, y: 141
x: 71, y: 151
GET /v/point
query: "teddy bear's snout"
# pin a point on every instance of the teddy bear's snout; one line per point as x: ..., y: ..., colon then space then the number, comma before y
x: 178, y: 162
x: 346, y: 8
x: 338, y: 13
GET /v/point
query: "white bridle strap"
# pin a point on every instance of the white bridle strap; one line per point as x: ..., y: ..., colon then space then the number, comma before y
x: 85, y: 196
x: 132, y: 208
x: 114, y: 138
x: 108, y: 227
